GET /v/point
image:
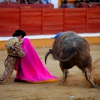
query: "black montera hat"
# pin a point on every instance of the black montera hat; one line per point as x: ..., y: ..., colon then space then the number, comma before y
x: 18, y: 33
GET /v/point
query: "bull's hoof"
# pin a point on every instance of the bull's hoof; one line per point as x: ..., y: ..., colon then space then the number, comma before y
x: 62, y: 83
x: 95, y: 86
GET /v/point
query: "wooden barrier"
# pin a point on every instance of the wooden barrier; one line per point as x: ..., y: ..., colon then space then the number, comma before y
x: 93, y: 20
x: 49, y: 21
x: 75, y: 19
x: 31, y: 21
x: 52, y: 21
x: 9, y: 21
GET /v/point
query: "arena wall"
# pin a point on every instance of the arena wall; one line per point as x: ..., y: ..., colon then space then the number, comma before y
x: 41, y: 22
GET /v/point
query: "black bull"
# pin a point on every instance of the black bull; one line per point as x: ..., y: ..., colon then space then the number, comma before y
x: 71, y: 49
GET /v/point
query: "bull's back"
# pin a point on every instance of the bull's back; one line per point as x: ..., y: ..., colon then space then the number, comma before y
x: 79, y: 45
x: 68, y: 40
x: 58, y: 42
x: 77, y: 42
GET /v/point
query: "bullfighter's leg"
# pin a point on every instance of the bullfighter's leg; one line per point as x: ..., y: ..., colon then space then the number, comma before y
x: 6, y: 75
x: 9, y: 67
x: 87, y: 75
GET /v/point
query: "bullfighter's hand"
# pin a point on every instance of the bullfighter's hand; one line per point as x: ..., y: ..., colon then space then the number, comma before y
x: 21, y: 42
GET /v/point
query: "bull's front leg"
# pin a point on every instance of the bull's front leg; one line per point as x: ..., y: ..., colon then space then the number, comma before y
x: 87, y: 75
x: 65, y: 72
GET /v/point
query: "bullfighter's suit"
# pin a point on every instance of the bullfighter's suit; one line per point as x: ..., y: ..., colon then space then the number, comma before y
x: 14, y: 52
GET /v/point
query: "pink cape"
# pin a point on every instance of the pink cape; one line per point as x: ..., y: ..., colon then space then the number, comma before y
x: 30, y: 68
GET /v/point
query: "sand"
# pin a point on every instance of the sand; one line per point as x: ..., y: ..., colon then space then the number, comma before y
x: 76, y: 87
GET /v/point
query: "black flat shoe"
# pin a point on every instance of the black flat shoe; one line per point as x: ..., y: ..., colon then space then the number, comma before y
x: 18, y: 80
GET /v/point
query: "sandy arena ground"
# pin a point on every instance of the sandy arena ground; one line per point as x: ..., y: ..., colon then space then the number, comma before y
x: 76, y: 87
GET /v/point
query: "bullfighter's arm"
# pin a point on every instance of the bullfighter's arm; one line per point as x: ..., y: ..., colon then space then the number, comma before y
x: 19, y: 50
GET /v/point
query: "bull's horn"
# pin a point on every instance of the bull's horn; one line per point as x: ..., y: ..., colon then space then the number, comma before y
x: 64, y: 60
x: 49, y: 52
